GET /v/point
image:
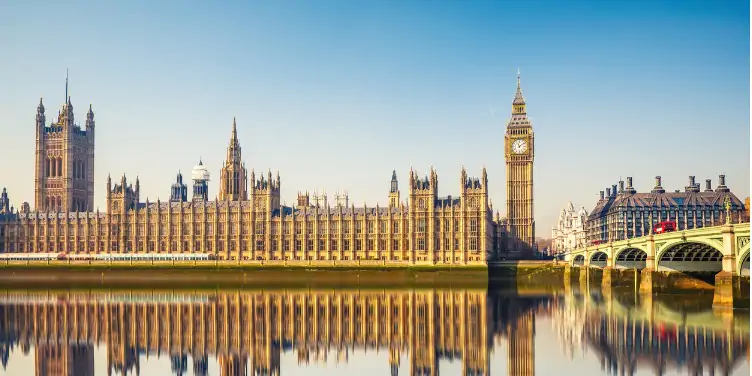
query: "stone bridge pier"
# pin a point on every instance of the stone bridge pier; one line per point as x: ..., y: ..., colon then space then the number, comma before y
x: 600, y: 266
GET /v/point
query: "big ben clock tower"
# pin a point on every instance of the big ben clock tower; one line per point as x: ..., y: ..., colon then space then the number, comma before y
x: 518, y: 153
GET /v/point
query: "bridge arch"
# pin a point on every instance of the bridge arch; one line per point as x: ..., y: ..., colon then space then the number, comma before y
x: 695, y: 255
x: 599, y: 259
x: 630, y: 257
x: 578, y: 260
x: 743, y: 266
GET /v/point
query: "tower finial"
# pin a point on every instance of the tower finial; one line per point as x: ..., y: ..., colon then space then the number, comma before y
x: 234, y: 130
x: 66, y: 85
x: 519, y: 101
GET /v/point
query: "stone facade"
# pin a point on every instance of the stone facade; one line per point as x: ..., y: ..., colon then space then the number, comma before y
x: 519, y: 154
x: 253, y: 224
x: 428, y: 229
x: 623, y: 214
x: 570, y: 231
x: 425, y: 229
x: 64, y: 169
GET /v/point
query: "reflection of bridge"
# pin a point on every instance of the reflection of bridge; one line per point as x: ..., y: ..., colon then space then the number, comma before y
x: 711, y: 249
x: 626, y: 336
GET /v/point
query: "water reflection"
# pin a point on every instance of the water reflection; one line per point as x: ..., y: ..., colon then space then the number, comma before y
x: 247, y: 332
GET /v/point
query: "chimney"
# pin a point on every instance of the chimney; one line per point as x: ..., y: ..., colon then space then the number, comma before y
x: 692, y: 187
x: 722, y: 184
x: 613, y: 190
x: 658, y: 189
x: 602, y: 195
x: 608, y: 192
x: 630, y: 189
x: 708, y: 185
x: 621, y: 186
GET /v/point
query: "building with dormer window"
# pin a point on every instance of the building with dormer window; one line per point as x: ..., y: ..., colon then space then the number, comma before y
x: 624, y: 213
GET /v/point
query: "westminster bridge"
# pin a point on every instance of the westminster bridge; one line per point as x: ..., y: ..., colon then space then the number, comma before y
x: 249, y: 330
x: 723, y: 250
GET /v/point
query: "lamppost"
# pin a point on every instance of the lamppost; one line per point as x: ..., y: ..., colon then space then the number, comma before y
x: 727, y: 202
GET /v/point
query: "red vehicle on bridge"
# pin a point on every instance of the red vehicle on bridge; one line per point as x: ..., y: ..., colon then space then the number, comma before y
x: 596, y: 242
x: 663, y: 227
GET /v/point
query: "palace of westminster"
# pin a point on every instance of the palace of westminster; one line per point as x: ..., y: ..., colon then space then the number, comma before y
x: 249, y: 222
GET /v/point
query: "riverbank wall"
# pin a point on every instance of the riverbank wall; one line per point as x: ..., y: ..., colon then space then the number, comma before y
x: 218, y: 273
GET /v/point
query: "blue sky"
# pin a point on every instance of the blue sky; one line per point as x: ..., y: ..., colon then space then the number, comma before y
x: 337, y: 94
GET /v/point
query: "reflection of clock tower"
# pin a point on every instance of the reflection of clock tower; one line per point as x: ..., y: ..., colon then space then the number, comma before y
x: 518, y: 153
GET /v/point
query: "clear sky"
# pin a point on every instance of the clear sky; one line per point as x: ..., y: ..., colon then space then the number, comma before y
x: 337, y: 94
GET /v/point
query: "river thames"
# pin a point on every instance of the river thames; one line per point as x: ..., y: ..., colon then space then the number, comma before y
x: 368, y: 331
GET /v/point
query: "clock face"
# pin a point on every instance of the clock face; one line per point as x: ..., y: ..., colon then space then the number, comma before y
x: 519, y: 146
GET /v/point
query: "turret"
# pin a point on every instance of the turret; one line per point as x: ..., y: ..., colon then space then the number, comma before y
x: 179, y: 191
x: 463, y: 178
x: 4, y: 202
x: 265, y: 191
x: 90, y: 125
x: 304, y: 200
x: 137, y: 191
x: 708, y: 185
x: 40, y: 119
x: 434, y: 181
x: 122, y: 197
x: 200, y: 176
x: 394, y: 194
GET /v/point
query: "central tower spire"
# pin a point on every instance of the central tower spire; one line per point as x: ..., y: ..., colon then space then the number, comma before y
x: 233, y: 180
x: 66, y: 85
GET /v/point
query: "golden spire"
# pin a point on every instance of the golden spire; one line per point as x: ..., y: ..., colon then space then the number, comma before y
x: 518, y: 105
